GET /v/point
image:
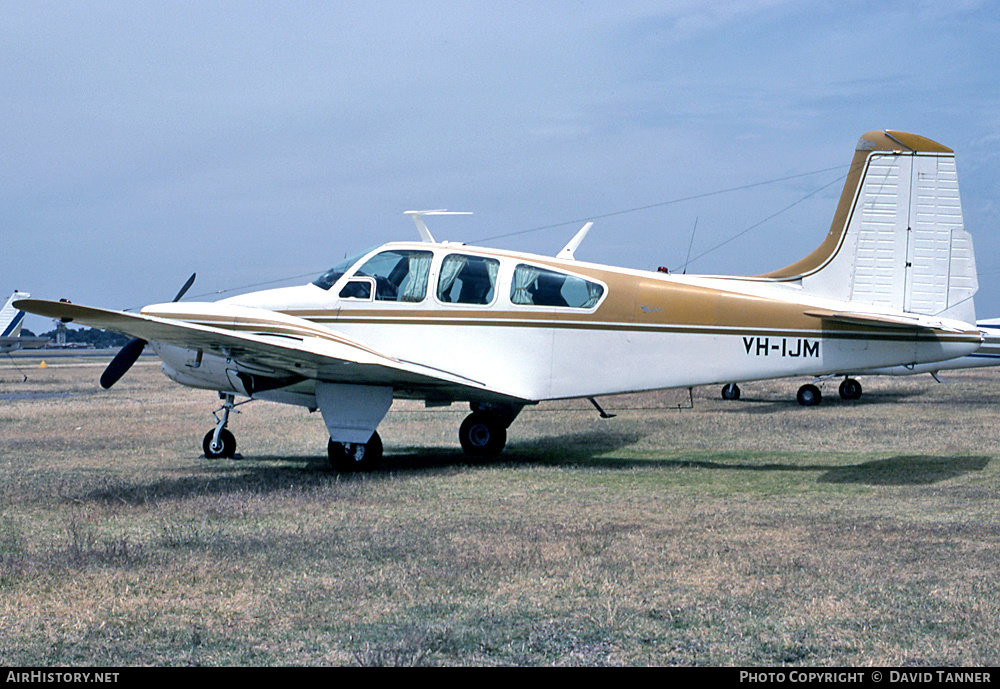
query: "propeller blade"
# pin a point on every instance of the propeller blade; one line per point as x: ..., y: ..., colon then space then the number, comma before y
x: 122, y: 362
x: 130, y: 352
x: 186, y: 287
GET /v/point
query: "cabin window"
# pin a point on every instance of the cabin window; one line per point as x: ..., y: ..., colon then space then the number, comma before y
x: 358, y: 288
x: 534, y: 286
x: 467, y: 279
x: 399, y: 275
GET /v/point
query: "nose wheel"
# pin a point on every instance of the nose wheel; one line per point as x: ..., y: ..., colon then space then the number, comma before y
x: 222, y: 448
x: 220, y: 443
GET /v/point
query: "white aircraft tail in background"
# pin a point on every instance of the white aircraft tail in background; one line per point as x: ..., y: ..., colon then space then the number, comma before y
x: 11, y: 320
x: 10, y: 317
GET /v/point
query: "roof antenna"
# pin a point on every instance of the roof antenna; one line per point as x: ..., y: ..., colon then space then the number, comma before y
x: 567, y: 251
x: 418, y: 220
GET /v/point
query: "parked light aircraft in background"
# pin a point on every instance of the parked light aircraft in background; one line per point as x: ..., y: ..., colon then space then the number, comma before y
x: 988, y: 354
x: 11, y: 320
x: 892, y: 284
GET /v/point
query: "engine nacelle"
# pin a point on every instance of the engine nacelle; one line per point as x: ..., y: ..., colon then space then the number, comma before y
x: 195, y: 369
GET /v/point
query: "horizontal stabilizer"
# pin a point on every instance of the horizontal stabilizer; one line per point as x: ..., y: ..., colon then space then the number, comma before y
x: 877, y: 319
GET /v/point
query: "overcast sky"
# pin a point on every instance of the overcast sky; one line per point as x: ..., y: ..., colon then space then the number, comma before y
x: 261, y: 142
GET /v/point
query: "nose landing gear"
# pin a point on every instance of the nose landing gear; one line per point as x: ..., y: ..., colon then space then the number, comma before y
x: 220, y: 443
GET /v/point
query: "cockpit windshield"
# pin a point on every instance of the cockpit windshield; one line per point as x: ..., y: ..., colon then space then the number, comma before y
x: 327, y: 279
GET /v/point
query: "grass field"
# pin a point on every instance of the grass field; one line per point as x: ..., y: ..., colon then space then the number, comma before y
x: 753, y: 533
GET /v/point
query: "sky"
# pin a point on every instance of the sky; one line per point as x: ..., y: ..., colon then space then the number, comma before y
x: 259, y: 143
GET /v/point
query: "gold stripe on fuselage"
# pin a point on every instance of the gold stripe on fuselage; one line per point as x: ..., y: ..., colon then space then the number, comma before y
x: 546, y: 320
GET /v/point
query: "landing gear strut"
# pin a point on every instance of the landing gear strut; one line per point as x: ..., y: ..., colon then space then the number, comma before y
x: 220, y: 442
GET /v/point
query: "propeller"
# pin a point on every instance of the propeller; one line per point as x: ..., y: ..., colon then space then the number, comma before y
x: 130, y: 352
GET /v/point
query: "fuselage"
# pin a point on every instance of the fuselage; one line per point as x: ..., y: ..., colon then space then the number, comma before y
x: 535, y: 328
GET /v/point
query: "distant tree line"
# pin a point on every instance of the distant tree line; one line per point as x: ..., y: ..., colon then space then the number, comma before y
x: 101, y: 339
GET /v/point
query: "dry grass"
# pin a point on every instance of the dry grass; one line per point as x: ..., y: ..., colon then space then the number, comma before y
x: 734, y: 533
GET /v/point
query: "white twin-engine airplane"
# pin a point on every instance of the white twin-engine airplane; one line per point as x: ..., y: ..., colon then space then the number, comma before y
x: 892, y: 284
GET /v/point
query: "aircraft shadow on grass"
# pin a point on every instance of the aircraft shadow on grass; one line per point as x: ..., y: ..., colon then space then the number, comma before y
x: 905, y: 470
x: 579, y: 450
x: 314, y: 471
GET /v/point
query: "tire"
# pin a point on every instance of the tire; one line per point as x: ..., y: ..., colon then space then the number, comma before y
x: 850, y: 389
x: 482, y: 435
x: 226, y: 439
x: 809, y: 396
x: 730, y: 391
x: 353, y: 457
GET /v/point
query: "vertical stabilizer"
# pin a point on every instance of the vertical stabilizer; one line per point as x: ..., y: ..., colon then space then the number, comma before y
x: 898, y: 241
x: 11, y: 318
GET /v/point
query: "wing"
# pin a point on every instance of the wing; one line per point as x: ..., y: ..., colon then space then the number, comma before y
x: 272, y: 340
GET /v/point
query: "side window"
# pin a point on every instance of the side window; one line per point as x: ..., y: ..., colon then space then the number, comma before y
x: 357, y: 288
x: 467, y: 279
x: 534, y: 286
x: 399, y: 275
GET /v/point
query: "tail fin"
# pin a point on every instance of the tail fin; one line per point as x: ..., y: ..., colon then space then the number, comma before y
x: 897, y: 241
x: 11, y: 318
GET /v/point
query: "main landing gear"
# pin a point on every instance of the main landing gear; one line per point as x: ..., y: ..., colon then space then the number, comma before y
x: 484, y: 431
x: 482, y: 434
x: 850, y: 389
x: 809, y: 395
x: 348, y: 457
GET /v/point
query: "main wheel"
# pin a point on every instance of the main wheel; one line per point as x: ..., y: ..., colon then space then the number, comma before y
x: 482, y: 435
x: 730, y: 391
x: 850, y: 389
x: 347, y: 457
x: 226, y: 447
x: 809, y: 396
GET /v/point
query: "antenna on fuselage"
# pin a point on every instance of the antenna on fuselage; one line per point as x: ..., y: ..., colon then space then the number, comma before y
x: 569, y: 249
x: 418, y: 220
